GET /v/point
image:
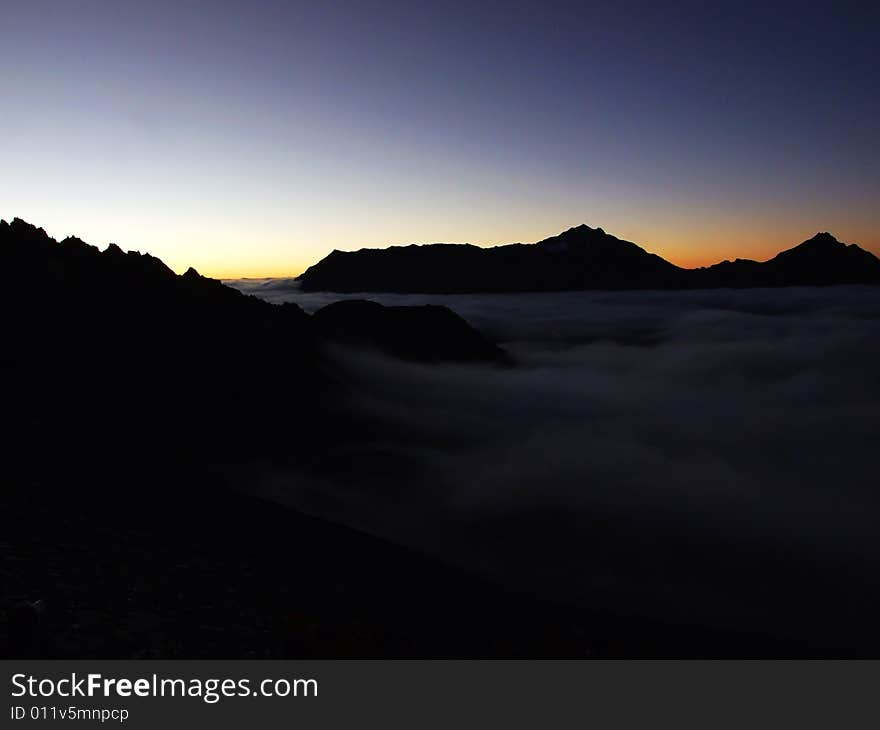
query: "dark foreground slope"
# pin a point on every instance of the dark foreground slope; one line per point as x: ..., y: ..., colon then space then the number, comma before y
x: 123, y: 562
x: 581, y: 258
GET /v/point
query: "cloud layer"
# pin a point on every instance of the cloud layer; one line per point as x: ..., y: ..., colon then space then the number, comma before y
x: 705, y: 456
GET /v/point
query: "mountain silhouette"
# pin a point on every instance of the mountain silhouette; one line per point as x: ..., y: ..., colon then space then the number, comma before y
x: 821, y: 260
x: 137, y: 405
x: 580, y: 258
x: 73, y: 282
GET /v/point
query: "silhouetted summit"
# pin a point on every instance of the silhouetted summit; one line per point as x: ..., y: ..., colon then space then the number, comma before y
x: 820, y: 260
x: 577, y: 259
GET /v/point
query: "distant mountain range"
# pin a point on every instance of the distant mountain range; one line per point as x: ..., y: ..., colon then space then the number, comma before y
x: 578, y: 259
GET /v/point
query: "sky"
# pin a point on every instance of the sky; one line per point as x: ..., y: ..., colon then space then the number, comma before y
x: 252, y: 138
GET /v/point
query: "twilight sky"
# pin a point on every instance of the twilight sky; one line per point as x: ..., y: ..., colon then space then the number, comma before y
x: 251, y: 138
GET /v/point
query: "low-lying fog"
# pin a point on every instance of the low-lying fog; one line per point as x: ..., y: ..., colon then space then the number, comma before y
x: 706, y: 456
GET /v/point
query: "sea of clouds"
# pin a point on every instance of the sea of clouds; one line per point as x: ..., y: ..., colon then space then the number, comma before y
x: 703, y: 456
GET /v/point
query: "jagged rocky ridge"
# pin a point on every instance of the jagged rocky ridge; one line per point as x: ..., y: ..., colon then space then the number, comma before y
x: 133, y: 397
x: 581, y: 258
x: 71, y: 280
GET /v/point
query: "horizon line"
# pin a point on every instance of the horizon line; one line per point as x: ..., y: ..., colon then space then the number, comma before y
x: 225, y: 275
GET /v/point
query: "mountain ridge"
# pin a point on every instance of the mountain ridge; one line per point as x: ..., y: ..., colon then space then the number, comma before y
x: 135, y: 295
x: 580, y: 258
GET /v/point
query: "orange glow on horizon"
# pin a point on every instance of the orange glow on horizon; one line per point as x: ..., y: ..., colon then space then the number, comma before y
x: 281, y: 249
x: 686, y: 256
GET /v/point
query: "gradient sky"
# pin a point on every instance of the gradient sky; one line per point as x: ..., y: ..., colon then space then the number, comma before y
x: 251, y: 138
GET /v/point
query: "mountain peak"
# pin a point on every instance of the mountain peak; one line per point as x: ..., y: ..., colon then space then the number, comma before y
x: 825, y: 237
x: 579, y: 235
x: 582, y: 228
x: 19, y: 225
x: 820, y: 244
